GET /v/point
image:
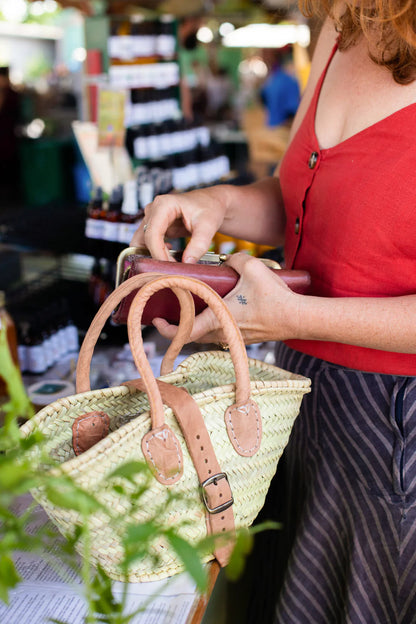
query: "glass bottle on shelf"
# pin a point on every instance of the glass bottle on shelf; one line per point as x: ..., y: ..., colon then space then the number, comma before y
x: 166, y: 39
x: 141, y: 143
x: 121, y: 42
x: 165, y: 138
x: 48, y: 340
x: 113, y: 215
x: 146, y: 189
x: 144, y: 44
x: 131, y: 212
x: 95, y: 279
x: 57, y: 330
x: 71, y: 330
x: 36, y: 357
x: 22, y: 340
x: 95, y: 211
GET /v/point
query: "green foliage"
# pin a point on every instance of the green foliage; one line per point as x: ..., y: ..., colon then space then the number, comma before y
x: 243, y: 547
x: 18, y: 405
x: 25, y: 467
x: 46, y: 19
x: 189, y: 557
x: 32, y: 15
x: 7, y: 571
x: 63, y: 492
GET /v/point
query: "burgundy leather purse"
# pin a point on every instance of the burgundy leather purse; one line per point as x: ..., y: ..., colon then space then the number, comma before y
x: 210, y: 269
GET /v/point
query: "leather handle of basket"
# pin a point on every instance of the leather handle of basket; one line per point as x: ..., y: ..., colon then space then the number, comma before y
x: 133, y: 283
x: 242, y: 419
x: 186, y: 322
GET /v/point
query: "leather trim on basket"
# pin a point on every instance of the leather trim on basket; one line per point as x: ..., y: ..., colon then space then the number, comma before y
x: 244, y: 427
x: 88, y: 429
x: 163, y: 454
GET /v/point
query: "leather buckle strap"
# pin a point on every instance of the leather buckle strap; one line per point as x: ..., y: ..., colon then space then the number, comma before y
x: 213, y: 483
x: 214, y: 479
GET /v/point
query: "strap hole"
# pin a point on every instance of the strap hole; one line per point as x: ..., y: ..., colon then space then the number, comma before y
x: 209, y: 471
x: 220, y: 495
x: 202, y: 448
x: 206, y: 461
x: 197, y: 437
x: 222, y: 517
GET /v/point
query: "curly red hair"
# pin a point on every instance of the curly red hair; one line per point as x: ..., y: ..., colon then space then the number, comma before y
x: 392, y: 21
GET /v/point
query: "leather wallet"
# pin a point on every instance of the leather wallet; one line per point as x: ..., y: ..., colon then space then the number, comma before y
x: 209, y: 269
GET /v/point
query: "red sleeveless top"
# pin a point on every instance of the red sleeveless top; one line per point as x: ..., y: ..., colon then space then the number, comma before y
x: 350, y: 211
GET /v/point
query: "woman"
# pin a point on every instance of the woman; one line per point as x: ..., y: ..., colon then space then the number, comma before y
x: 342, y: 204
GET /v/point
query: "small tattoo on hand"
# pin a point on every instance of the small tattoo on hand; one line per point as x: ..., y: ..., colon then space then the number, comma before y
x: 241, y: 299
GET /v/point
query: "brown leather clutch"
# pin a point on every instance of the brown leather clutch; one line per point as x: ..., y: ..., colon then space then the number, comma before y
x: 209, y: 269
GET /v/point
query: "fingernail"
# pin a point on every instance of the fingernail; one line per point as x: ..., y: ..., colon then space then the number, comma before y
x: 190, y: 260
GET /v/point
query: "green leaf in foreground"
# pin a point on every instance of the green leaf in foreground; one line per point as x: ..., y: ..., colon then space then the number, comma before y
x: 136, y: 541
x: 18, y: 405
x: 190, y: 559
x: 140, y: 533
x: 243, y: 546
x: 15, y: 477
x: 102, y: 599
x: 9, y: 577
x: 129, y: 470
x: 65, y: 493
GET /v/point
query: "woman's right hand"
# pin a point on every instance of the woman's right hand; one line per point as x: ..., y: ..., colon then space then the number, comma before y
x: 197, y: 214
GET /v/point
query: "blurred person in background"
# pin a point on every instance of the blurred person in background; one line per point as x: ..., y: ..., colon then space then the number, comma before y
x: 188, y: 43
x: 219, y: 93
x: 280, y: 92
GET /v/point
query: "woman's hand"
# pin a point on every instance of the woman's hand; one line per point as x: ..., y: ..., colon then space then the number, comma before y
x: 198, y: 214
x: 251, y: 212
x: 262, y: 304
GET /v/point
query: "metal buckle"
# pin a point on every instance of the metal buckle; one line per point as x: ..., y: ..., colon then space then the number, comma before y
x: 214, y: 479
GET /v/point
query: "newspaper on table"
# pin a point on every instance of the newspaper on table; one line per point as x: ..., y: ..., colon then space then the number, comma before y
x: 51, y: 589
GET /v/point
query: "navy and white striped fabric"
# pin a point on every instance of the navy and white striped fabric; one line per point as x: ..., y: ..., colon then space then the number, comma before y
x: 350, y: 525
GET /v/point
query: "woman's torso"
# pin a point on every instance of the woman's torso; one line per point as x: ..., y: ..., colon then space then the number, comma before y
x: 349, y: 186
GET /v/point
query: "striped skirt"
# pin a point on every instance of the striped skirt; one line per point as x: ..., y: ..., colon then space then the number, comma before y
x: 349, y: 538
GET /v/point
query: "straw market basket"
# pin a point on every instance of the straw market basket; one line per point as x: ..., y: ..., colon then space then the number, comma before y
x: 216, y: 426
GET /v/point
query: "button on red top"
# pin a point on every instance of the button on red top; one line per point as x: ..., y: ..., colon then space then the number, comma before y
x: 313, y: 159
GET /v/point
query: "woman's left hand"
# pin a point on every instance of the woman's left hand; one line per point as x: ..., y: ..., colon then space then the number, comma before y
x: 262, y: 304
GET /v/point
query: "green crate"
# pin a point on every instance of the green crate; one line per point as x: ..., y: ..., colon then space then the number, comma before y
x: 46, y: 170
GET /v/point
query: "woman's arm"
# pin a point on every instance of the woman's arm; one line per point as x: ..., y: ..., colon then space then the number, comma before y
x: 255, y: 212
x: 378, y: 323
x: 266, y: 309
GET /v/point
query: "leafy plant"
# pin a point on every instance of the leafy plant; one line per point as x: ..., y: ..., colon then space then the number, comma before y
x: 25, y: 466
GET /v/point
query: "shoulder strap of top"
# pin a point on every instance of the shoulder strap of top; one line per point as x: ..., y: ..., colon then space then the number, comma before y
x: 319, y: 84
